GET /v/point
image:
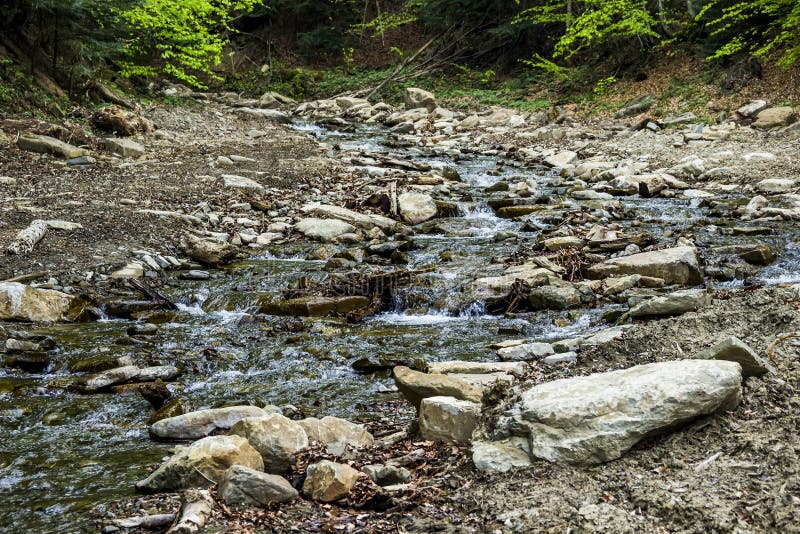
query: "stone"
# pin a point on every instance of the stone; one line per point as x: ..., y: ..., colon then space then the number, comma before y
x: 233, y: 181
x: 127, y: 148
x: 195, y: 274
x: 616, y: 285
x: 330, y: 430
x: 416, y: 208
x: 158, y: 372
x: 201, y: 464
x: 557, y: 243
x: 387, y: 475
x: 676, y: 265
x: 100, y: 363
x: 134, y: 269
x: 416, y: 386
x: 775, y: 117
x: 208, y: 252
x: 105, y: 379
x: 562, y: 357
x: 675, y: 303
x: 636, y: 105
x: 752, y: 108
x: 15, y: 346
x: 500, y: 456
x: 275, y: 437
x: 328, y: 481
x: 49, y: 145
x: 360, y: 220
x: 419, y: 98
x: 754, y: 253
x: 20, y: 302
x: 121, y: 121
x: 525, y: 352
x: 201, y: 423
x: 242, y: 486
x: 32, y: 362
x: 775, y: 185
x: 323, y: 229
x: 448, y: 419
x: 562, y: 159
x: 735, y: 350
x: 559, y: 297
x: 460, y: 367
x: 270, y: 115
x: 315, y: 306
x: 597, y: 418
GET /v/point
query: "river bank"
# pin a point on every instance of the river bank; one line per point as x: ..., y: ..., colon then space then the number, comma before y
x: 500, y: 197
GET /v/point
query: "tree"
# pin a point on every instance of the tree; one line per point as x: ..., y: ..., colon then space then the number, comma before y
x: 179, y: 38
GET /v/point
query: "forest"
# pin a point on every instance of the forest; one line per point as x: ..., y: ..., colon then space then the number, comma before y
x: 399, y: 266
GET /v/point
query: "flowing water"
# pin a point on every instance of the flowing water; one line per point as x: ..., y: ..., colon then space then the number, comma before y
x: 62, y: 453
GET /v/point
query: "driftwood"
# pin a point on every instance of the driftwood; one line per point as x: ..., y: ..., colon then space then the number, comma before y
x: 153, y: 294
x: 147, y: 522
x: 110, y: 96
x: 197, y: 506
x: 403, y: 66
x: 27, y: 238
x: 26, y: 277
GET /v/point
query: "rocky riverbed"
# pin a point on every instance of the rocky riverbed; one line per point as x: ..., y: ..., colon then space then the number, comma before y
x: 344, y: 316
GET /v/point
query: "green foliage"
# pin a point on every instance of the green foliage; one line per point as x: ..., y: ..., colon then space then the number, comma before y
x: 180, y: 38
x: 757, y: 27
x: 604, y: 86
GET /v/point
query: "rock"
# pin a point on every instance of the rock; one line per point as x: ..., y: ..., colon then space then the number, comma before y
x: 15, y: 346
x: 330, y: 430
x: 201, y: 423
x: 201, y: 464
x: 315, y: 306
x: 206, y: 251
x: 195, y: 274
x: 100, y: 363
x: 562, y: 159
x: 49, y: 145
x: 597, y: 418
x: 20, y: 302
x: 616, y: 285
x: 419, y: 98
x: 158, y: 372
x: 271, y: 115
x: 172, y: 408
x: 557, y: 243
x: 126, y: 148
x: 328, y: 481
x: 752, y: 108
x: 361, y: 220
x: 275, y: 437
x: 735, y: 350
x: 448, y: 419
x: 416, y: 386
x: 775, y: 117
x: 233, y: 181
x: 323, y: 229
x: 775, y: 185
x: 637, y: 105
x: 32, y: 362
x: 562, y: 357
x: 416, y: 208
x: 500, y: 456
x: 559, y: 297
x: 118, y: 120
x: 242, y: 486
x: 754, y: 254
x: 133, y: 269
x: 106, y: 379
x: 525, y: 352
x: 460, y: 367
x: 387, y: 475
x: 675, y: 303
x: 142, y: 329
x: 676, y: 265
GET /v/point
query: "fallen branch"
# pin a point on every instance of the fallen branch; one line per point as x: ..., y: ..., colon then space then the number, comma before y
x: 147, y: 522
x: 196, y: 508
x: 153, y: 294
x: 26, y: 277
x: 26, y: 239
x: 774, y: 345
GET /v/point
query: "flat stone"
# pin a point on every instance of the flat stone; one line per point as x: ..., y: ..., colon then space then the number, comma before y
x: 562, y: 159
x: 323, y: 229
x: 330, y: 430
x: 360, y: 220
x: 416, y: 386
x: 676, y: 265
x: 242, y: 486
x: 675, y: 303
x: 775, y: 117
x: 597, y: 418
x: 460, y: 367
x: 50, y: 145
x: 735, y: 350
x: 558, y: 243
x: 315, y: 306
x: 416, y: 208
x: 562, y: 357
x: 133, y: 269
x: 127, y: 148
x: 526, y: 352
x: 775, y: 185
x: 234, y: 181
x: 105, y: 379
x: 387, y: 475
x: 448, y: 419
x: 201, y: 423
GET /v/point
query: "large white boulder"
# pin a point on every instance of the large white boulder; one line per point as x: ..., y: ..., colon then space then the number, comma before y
x: 416, y: 208
x: 275, y: 437
x: 419, y: 98
x: 323, y: 229
x: 448, y: 419
x: 201, y: 423
x: 597, y: 418
x: 20, y: 302
x: 676, y: 265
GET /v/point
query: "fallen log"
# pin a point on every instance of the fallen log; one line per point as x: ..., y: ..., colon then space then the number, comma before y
x: 27, y: 238
x: 197, y: 506
x: 147, y: 522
